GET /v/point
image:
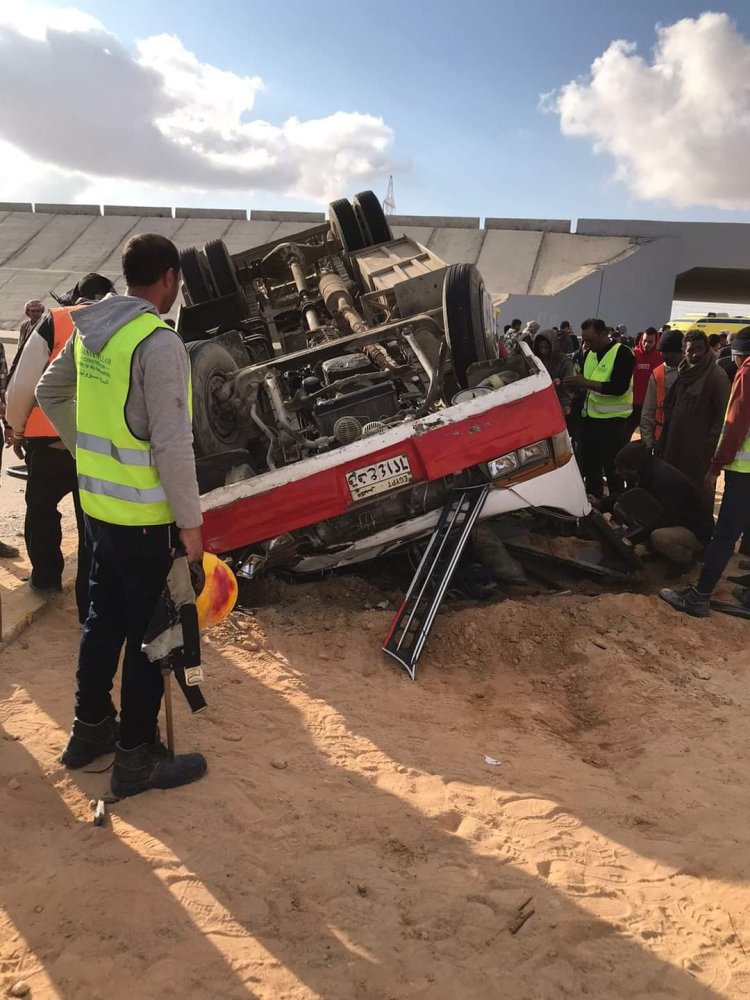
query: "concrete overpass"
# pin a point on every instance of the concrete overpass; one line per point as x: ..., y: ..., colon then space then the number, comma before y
x: 626, y: 271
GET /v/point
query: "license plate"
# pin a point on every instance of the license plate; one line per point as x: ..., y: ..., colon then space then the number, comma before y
x: 379, y: 477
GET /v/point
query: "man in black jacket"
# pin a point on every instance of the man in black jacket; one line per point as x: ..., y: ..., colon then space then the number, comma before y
x: 679, y: 524
x: 51, y: 467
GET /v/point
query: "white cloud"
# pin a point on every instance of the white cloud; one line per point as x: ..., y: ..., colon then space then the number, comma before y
x: 204, y: 97
x: 34, y: 22
x: 25, y: 179
x: 85, y: 109
x: 677, y: 125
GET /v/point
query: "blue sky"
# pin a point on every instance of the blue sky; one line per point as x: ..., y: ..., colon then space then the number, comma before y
x: 458, y: 83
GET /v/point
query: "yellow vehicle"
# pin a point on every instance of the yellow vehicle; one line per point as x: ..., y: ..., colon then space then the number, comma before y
x: 711, y: 323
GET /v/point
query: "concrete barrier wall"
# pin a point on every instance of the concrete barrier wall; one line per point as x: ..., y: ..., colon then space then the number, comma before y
x: 52, y: 209
x: 57, y: 237
x: 137, y: 211
x: 210, y: 213
x: 436, y: 221
x: 48, y: 247
x: 309, y: 218
x: 538, y: 225
x: 164, y: 226
x: 16, y: 232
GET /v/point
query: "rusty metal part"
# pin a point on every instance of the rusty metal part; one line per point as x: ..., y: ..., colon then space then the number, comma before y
x: 308, y: 309
x: 435, y: 372
x: 337, y: 300
x: 380, y: 357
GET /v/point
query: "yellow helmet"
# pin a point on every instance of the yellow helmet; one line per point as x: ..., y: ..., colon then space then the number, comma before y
x: 215, y: 588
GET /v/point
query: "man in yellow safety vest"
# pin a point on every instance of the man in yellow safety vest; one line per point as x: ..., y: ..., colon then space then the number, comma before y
x: 732, y: 456
x: 119, y: 396
x: 607, y: 380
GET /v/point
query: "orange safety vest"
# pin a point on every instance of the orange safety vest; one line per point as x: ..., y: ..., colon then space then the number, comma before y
x: 37, y: 425
x: 660, y: 381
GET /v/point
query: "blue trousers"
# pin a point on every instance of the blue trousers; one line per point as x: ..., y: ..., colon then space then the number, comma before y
x: 733, y: 520
x: 129, y: 567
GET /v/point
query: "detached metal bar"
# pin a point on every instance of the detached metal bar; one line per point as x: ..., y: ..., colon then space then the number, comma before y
x: 414, y: 619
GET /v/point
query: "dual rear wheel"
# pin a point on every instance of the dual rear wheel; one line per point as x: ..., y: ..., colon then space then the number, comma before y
x: 359, y: 223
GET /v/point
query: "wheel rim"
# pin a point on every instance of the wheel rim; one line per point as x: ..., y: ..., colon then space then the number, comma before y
x: 220, y: 419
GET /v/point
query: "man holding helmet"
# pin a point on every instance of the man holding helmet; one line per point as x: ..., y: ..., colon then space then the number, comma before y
x: 120, y: 397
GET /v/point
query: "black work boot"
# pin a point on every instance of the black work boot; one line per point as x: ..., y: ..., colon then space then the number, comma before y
x: 87, y: 742
x: 690, y: 601
x: 148, y: 766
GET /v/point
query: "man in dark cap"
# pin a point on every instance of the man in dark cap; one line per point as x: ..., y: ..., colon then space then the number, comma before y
x: 663, y: 377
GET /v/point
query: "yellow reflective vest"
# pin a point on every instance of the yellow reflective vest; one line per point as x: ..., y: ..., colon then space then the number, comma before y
x: 596, y: 404
x: 117, y: 477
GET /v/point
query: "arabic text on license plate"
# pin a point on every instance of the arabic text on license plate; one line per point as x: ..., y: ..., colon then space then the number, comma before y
x: 379, y: 477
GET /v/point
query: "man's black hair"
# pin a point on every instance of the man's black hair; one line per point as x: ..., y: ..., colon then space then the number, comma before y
x: 515, y: 322
x: 94, y: 286
x: 565, y: 325
x: 146, y: 257
x: 634, y: 455
x: 693, y: 335
x: 598, y: 325
x: 714, y: 339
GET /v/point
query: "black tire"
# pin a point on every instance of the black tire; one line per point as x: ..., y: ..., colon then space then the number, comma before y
x: 468, y: 329
x: 195, y: 276
x: 214, y: 430
x: 371, y: 218
x: 222, y: 268
x: 344, y: 225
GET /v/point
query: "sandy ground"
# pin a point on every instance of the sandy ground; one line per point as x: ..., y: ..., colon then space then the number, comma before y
x: 350, y: 841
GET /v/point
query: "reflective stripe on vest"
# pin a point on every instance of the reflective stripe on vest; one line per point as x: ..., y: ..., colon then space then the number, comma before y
x: 596, y: 404
x: 37, y: 424
x: 741, y: 461
x: 660, y: 382
x: 117, y: 476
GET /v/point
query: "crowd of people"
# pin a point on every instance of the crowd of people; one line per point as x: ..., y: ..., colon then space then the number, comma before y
x: 686, y: 398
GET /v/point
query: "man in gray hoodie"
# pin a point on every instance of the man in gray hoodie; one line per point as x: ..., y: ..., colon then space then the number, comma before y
x: 118, y: 395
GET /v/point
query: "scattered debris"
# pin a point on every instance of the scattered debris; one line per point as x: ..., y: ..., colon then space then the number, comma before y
x: 279, y: 764
x: 14, y: 784
x: 520, y: 917
x: 736, y: 934
x: 100, y: 813
x: 20, y: 989
x: 492, y: 760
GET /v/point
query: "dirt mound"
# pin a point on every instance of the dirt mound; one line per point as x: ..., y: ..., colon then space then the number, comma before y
x: 354, y: 839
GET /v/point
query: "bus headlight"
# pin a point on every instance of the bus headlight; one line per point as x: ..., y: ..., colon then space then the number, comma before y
x: 503, y: 466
